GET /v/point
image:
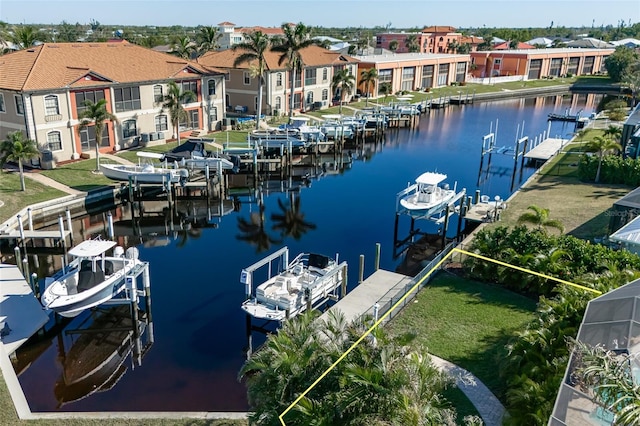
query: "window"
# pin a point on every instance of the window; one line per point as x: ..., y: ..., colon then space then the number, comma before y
x: 278, y: 103
x: 309, y: 98
x: 161, y: 123
x: 298, y: 82
x: 88, y: 138
x: 247, y: 78
x: 213, y: 114
x: 129, y: 129
x: 127, y: 98
x: 192, y: 122
x: 255, y: 104
x: 297, y: 101
x: 2, y: 103
x: 554, y: 68
x: 325, y: 74
x: 427, y: 76
x: 310, y: 76
x: 87, y: 95
x: 158, y: 96
x: 443, y: 74
x: 211, y: 84
x: 587, y: 68
x: 385, y: 76
x: 497, y: 61
x: 325, y: 95
x: 441, y: 39
x: 51, y: 105
x: 574, y: 66
x: 190, y: 86
x: 461, y: 71
x: 19, y: 104
x: 54, y: 142
x: 279, y: 79
x: 408, y: 74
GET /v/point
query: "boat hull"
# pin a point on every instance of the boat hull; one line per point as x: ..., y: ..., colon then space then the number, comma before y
x: 143, y: 174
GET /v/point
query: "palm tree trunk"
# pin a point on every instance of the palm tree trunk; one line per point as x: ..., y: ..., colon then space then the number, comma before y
x: 599, y: 167
x: 24, y: 188
x: 259, y: 109
x: 98, y: 140
x: 366, y: 99
x: 178, y: 133
x: 293, y: 83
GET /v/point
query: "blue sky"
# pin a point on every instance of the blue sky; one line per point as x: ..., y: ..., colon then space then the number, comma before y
x: 355, y: 13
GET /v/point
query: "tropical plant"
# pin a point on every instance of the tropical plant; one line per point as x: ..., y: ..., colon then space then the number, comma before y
x: 291, y: 221
x: 610, y: 377
x: 96, y: 114
x: 254, y: 47
x: 67, y: 32
x: 613, y: 132
x: 17, y: 149
x: 411, y: 43
x: 295, y: 39
x: 619, y: 62
x: 385, y: 89
x: 25, y: 36
x: 540, y: 218
x: 393, y: 45
x: 368, y: 77
x: 344, y: 82
x: 207, y: 39
x: 183, y: 47
x: 601, y: 146
x: 173, y: 102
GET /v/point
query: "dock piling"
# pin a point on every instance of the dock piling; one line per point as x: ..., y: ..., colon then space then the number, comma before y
x: 18, y: 256
x: 110, y: 226
x: 377, y: 259
x: 361, y: 271
x: 30, y: 218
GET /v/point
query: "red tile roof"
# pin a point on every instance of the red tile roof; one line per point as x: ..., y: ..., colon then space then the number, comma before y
x: 312, y: 56
x: 439, y: 29
x: 226, y: 24
x: 265, y: 30
x: 505, y: 46
x: 58, y: 65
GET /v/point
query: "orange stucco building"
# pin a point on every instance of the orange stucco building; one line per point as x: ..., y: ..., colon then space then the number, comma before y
x: 435, y: 39
x: 534, y: 64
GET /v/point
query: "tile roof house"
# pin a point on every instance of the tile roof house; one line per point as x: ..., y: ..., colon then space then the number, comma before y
x: 231, y: 35
x: 434, y: 39
x: 43, y: 89
x: 312, y: 85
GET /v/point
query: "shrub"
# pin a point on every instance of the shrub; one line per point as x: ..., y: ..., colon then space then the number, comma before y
x: 615, y: 170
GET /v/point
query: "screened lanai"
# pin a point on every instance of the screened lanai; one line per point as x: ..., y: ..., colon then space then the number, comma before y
x: 612, y: 321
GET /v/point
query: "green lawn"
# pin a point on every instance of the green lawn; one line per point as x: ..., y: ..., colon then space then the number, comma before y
x: 467, y: 323
x: 14, y: 200
x: 79, y: 175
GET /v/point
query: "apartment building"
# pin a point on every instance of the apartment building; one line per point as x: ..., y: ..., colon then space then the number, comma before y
x: 232, y: 35
x: 312, y: 84
x: 434, y: 39
x: 44, y: 88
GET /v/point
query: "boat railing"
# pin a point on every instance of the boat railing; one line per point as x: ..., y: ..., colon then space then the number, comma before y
x: 408, y: 190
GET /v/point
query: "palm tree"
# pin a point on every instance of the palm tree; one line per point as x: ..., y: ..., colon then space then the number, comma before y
x: 345, y: 82
x: 601, y: 145
x: 173, y: 101
x: 183, y: 47
x: 207, y: 39
x: 291, y: 221
x: 255, y: 46
x: 295, y: 39
x: 411, y: 43
x: 385, y: 89
x: 367, y: 77
x: 453, y: 46
x: 25, y: 36
x: 16, y: 148
x: 613, y: 132
x: 540, y: 218
x: 97, y: 114
x: 393, y: 45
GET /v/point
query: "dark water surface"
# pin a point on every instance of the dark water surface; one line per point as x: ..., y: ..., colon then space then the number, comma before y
x: 200, y: 332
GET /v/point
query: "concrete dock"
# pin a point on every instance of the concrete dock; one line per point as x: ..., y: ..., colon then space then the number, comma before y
x: 546, y: 149
x: 19, y: 308
x: 367, y: 293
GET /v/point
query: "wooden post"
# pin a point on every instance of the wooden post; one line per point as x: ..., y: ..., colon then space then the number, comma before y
x: 343, y: 290
x: 445, y: 226
x: 361, y: 270
x: 377, y: 258
x: 18, y: 256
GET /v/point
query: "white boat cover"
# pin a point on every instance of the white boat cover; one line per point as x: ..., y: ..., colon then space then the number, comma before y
x: 430, y: 178
x: 91, y: 248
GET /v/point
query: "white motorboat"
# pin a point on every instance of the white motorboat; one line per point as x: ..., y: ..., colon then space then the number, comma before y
x: 428, y: 195
x: 144, y: 173
x: 90, y: 279
x: 308, y: 280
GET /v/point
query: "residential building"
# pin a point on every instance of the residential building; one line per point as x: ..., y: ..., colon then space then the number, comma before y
x: 507, y: 45
x: 435, y: 39
x: 415, y: 71
x: 43, y: 90
x: 533, y: 64
x: 230, y: 35
x: 312, y: 84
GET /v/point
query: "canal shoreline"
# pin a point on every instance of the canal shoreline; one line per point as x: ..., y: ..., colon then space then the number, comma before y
x: 109, y: 193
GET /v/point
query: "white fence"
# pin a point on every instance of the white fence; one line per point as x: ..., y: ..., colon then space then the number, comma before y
x: 494, y: 80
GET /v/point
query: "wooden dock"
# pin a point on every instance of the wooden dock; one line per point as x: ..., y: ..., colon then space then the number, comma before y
x: 546, y: 149
x: 19, y: 308
x: 483, y: 212
x: 368, y: 293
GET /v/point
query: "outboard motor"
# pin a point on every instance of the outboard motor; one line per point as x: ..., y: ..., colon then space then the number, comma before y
x: 132, y: 253
x: 184, y: 177
x: 118, y: 251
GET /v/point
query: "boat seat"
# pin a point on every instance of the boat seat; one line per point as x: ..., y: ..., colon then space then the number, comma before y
x: 88, y: 279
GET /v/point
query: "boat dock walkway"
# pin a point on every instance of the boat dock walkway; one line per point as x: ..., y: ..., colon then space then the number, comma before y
x: 546, y: 149
x: 368, y: 293
x: 20, y: 311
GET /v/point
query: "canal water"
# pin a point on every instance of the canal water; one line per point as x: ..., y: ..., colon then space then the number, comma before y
x: 188, y: 360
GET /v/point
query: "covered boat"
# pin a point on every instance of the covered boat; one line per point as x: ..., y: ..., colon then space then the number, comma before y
x: 428, y: 195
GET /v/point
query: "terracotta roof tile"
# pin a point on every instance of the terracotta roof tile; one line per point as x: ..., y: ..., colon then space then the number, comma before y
x: 226, y: 24
x: 439, y: 29
x: 58, y: 65
x: 312, y: 56
x: 265, y: 30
